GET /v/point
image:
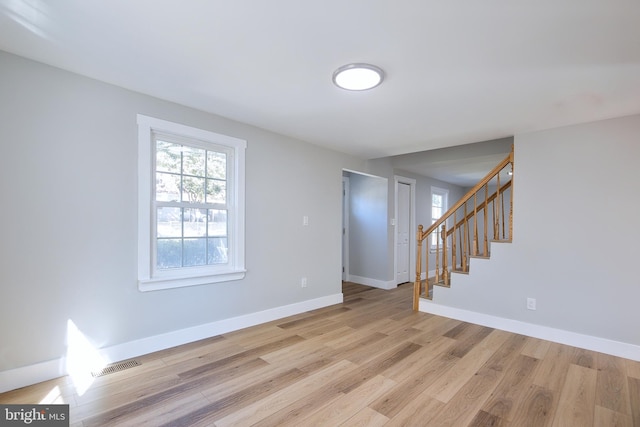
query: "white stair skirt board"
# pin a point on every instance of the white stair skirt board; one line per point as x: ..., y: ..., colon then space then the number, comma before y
x: 602, y: 345
x: 376, y: 283
x: 32, y: 374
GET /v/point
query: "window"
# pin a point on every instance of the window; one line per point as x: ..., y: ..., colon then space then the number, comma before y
x: 191, y: 206
x: 439, y: 206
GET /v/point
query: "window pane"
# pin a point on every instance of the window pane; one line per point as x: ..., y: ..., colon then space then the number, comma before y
x: 192, y: 189
x: 216, y: 191
x: 168, y: 223
x: 167, y: 187
x: 169, y: 253
x: 217, y: 223
x: 168, y: 157
x: 195, y: 252
x: 194, y: 222
x: 436, y: 212
x: 217, y: 251
x: 436, y: 200
x: 216, y: 165
x: 193, y: 161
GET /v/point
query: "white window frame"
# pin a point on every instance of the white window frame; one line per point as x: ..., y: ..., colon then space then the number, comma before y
x: 445, y: 202
x: 150, y: 278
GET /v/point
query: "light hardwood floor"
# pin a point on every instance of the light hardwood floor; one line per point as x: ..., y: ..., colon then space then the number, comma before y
x: 370, y: 361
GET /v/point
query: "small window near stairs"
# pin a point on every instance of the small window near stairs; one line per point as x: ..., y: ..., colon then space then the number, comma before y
x: 439, y: 205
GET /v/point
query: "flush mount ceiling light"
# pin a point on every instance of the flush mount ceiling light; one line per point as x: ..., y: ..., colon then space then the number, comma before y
x: 358, y: 76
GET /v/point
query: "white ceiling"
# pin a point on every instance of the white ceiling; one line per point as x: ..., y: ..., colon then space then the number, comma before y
x: 457, y: 71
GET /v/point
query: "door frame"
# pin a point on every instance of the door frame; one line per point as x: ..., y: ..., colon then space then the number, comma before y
x: 345, y: 227
x: 397, y: 179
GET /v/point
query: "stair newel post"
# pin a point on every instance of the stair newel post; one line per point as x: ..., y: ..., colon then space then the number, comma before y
x: 437, y: 278
x: 475, y: 223
x: 453, y: 243
x: 485, y: 249
x: 417, y: 285
x: 445, y: 271
x: 496, y: 212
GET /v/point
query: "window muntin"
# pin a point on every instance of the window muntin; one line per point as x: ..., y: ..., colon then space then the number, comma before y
x: 191, y: 205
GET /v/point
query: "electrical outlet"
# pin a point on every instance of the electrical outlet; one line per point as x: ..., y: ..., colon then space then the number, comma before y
x: 303, y: 282
x: 531, y: 303
x: 305, y: 220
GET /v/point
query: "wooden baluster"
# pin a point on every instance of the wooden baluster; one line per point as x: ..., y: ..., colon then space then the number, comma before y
x: 465, y: 243
x: 445, y: 271
x: 496, y: 212
x: 468, y: 247
x: 475, y: 224
x: 461, y: 248
x: 417, y: 285
x: 453, y: 244
x: 437, y: 278
x: 503, y: 221
x: 485, y: 249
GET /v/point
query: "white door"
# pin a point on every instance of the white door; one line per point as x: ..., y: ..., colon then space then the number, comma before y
x: 403, y: 226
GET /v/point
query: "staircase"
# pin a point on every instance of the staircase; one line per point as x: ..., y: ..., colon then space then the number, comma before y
x: 465, y: 231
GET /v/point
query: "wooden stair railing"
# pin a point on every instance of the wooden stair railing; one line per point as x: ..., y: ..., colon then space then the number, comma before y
x: 457, y: 237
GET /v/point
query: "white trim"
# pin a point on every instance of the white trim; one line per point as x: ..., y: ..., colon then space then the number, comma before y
x: 346, y: 211
x: 588, y: 342
x: 389, y: 284
x: 32, y: 374
x: 412, y: 225
x: 148, y: 278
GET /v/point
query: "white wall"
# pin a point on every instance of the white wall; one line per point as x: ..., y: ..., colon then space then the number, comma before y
x: 68, y: 186
x: 576, y: 234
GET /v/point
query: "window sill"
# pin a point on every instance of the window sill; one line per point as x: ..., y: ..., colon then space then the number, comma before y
x: 160, y: 283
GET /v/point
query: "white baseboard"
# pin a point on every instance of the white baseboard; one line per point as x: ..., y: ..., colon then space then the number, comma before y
x: 32, y: 374
x: 373, y: 282
x: 588, y: 342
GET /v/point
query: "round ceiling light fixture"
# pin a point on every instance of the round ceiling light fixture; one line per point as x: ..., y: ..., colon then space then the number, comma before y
x: 358, y: 76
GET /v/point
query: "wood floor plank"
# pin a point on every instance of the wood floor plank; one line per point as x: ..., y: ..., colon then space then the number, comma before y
x: 484, y: 384
x: 512, y: 387
x: 274, y: 402
x: 634, y: 398
x: 418, y: 412
x: 633, y: 368
x: 535, y: 409
x: 609, y: 418
x: 536, y: 348
x: 396, y: 400
x: 485, y: 419
x: 612, y: 389
x: 576, y: 406
x: 345, y: 408
x: 250, y: 394
x: 554, y: 367
x: 447, y: 385
x: 366, y: 417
